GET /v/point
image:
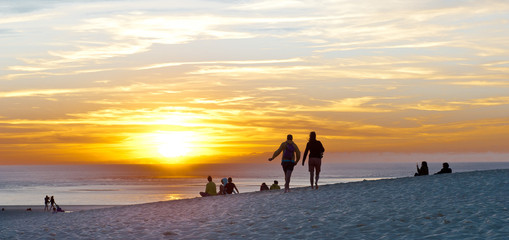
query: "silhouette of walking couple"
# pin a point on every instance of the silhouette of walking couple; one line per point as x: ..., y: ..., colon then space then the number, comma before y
x: 291, y: 156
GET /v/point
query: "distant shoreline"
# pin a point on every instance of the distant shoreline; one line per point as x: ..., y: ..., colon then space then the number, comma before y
x: 40, y: 208
x: 91, y: 186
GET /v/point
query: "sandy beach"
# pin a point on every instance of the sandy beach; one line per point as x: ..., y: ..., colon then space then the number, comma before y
x: 470, y: 205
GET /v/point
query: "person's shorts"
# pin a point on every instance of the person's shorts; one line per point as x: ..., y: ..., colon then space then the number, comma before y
x: 315, y: 163
x: 287, y: 166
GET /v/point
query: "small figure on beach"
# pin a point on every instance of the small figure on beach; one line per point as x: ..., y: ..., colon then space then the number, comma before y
x: 46, y: 203
x: 59, y: 209
x: 275, y: 185
x: 222, y: 187
x: 291, y: 156
x: 230, y: 187
x: 52, y: 202
x: 264, y: 187
x: 445, y: 168
x: 423, y: 170
x: 315, y: 149
x: 210, y: 188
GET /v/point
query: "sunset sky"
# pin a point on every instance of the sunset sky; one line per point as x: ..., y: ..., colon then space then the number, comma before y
x: 208, y: 81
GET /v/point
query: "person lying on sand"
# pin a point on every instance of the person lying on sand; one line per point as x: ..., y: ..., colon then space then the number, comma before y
x: 210, y: 188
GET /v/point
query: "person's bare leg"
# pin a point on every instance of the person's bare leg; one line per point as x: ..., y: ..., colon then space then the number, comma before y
x: 316, y: 179
x: 288, y: 175
x: 311, y: 178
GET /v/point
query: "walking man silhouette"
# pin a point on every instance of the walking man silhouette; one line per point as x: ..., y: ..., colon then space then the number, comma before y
x: 291, y: 156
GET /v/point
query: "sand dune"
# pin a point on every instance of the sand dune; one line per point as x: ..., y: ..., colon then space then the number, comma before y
x: 471, y: 205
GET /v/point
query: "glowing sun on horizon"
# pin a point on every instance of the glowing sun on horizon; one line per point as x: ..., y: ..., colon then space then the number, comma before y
x: 174, y: 144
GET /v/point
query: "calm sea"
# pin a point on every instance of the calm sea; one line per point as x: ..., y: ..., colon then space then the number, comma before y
x: 132, y: 184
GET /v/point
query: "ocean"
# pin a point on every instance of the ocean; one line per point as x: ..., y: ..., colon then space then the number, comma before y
x: 134, y: 184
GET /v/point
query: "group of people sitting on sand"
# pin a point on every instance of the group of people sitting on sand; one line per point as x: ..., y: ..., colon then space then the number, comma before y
x: 51, y: 205
x: 274, y: 186
x: 423, y: 170
x: 226, y: 187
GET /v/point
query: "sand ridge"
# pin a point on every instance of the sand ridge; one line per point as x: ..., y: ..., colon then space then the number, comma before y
x: 470, y: 205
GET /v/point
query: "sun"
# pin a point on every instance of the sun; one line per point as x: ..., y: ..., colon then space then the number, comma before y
x: 173, y: 144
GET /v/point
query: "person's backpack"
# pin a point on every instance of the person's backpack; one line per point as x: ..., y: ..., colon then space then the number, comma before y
x: 288, y: 152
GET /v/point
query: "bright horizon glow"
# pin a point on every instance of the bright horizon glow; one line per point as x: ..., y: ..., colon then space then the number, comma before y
x: 174, y: 144
x: 117, y: 82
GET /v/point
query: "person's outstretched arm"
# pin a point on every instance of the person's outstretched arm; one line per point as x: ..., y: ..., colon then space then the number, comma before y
x: 277, y: 152
x: 305, y: 154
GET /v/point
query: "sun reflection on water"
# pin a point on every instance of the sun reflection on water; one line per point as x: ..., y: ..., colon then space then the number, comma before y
x: 168, y: 197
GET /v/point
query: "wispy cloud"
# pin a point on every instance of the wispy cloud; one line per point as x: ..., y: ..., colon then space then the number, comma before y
x: 38, y: 92
x: 491, y: 101
x: 271, y: 5
x: 481, y: 83
x: 27, y: 17
x: 222, y: 101
x: 276, y: 88
x: 55, y: 92
x: 245, y: 62
x: 432, y: 107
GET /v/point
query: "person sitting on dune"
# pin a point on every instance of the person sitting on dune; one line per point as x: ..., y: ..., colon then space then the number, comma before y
x: 423, y: 170
x: 445, y: 169
x: 222, y: 187
x: 59, y: 209
x: 264, y: 187
x: 275, y: 186
x: 230, y: 187
x: 210, y: 188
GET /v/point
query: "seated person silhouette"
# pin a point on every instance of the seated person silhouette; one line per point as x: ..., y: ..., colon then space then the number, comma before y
x: 275, y: 186
x: 210, y: 188
x: 445, y: 169
x: 230, y: 187
x: 264, y: 187
x: 423, y: 170
x: 222, y: 187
